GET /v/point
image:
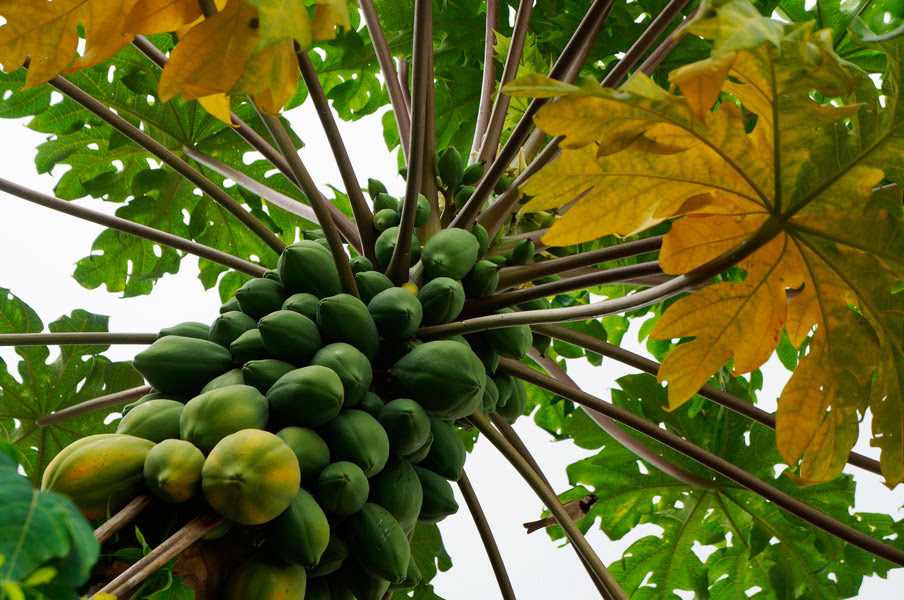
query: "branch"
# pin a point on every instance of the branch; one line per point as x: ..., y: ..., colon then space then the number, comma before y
x: 663, y: 50
x: 487, y: 86
x: 126, y: 226
x: 486, y: 535
x: 548, y: 497
x: 76, y: 338
x: 390, y: 78
x: 363, y: 216
x: 404, y: 77
x: 93, y: 405
x: 122, y: 518
x: 171, y: 160
x: 716, y: 395
x: 709, y: 460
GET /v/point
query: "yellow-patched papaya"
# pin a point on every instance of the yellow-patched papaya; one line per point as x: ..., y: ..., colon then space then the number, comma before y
x: 264, y: 578
x: 172, y: 471
x: 311, y: 451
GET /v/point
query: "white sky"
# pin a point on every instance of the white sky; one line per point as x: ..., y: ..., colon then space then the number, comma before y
x: 37, y: 266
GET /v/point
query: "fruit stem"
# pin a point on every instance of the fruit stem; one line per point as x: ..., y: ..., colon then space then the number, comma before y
x: 548, y: 497
x: 488, y: 85
x: 93, y: 405
x: 122, y: 518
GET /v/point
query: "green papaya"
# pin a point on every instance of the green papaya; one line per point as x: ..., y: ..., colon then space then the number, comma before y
x: 483, y: 239
x: 313, y: 235
x: 262, y: 374
x: 361, y: 583
x: 396, y: 312
x: 248, y: 346
x: 504, y: 385
x: 213, y: 415
x: 502, y: 184
x: 444, y: 377
x: 332, y: 558
x: 152, y: 396
x: 357, y: 437
x: 441, y: 300
x: 371, y: 404
x: 386, y: 243
x: 306, y: 266
x: 482, y: 280
x: 516, y: 404
x: 172, y: 471
x: 230, y: 305
x: 303, y: 304
x: 191, y: 329
x: 352, y: 367
x: 385, y: 219
x: 100, y: 473
x: 462, y: 195
x: 484, y: 352
x: 392, y: 349
x: 422, y: 211
x: 154, y: 420
x: 490, y: 396
x: 406, y: 424
x: 311, y: 451
x: 182, y: 365
x: 344, y: 318
x: 272, y: 275
x: 360, y: 264
x: 301, y: 533
x: 450, y: 167
x: 421, y: 453
x: 509, y: 342
x: 447, y: 454
x: 523, y: 253
x: 439, y: 499
x: 412, y: 577
x: 398, y: 489
x: 290, y: 336
x: 379, y: 544
x: 264, y: 578
x: 371, y: 283
x: 375, y: 187
x: 233, y: 377
x: 383, y: 201
x: 460, y: 339
x: 472, y: 173
x: 259, y: 297
x: 317, y: 588
x: 229, y: 326
x: 307, y: 397
x: 342, y: 488
x: 450, y: 253
x: 541, y: 343
x: 497, y: 259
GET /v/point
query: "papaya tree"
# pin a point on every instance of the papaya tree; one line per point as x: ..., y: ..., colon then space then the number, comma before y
x: 722, y: 178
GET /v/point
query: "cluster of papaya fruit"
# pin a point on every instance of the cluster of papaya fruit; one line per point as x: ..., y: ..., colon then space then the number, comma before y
x: 313, y: 415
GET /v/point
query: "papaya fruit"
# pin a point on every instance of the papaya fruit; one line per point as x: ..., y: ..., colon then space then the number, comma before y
x: 541, y: 343
x: 371, y: 283
x: 357, y: 437
x: 301, y: 533
x: 213, y: 415
x: 228, y: 326
x: 248, y: 346
x: 406, y: 424
x: 392, y: 349
x: 313, y: 234
x: 444, y: 377
x: 290, y: 336
x: 482, y: 349
x: 441, y: 300
x: 386, y: 243
x: 259, y: 297
x: 306, y: 266
x: 482, y: 280
x: 229, y: 306
x: 447, y: 453
x: 344, y: 318
x: 100, y: 473
x: 375, y: 187
x: 250, y: 477
x: 371, y: 404
x: 265, y: 578
x: 497, y: 259
x: 262, y: 374
x: 153, y: 396
x: 154, y: 420
x: 412, y: 578
x: 398, y: 489
x: 272, y: 275
x: 172, y: 471
x: 342, y: 488
x: 396, y: 312
x: 233, y: 377
x: 306, y: 397
x: 483, y: 239
x: 504, y: 385
x: 317, y: 588
x: 311, y: 451
x: 379, y: 544
x: 523, y: 253
x: 181, y: 365
x: 439, y: 499
x: 332, y: 558
x: 421, y: 453
x: 472, y: 173
x: 462, y: 195
x: 360, y: 264
x: 422, y: 211
x: 383, y: 201
x: 516, y: 403
x: 450, y: 253
x: 490, y: 396
x: 303, y: 304
x: 450, y: 167
x: 386, y: 218
x: 361, y: 583
x: 191, y: 329
x: 351, y: 366
x: 509, y: 342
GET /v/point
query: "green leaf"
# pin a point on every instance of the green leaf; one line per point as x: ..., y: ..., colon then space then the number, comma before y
x: 428, y: 551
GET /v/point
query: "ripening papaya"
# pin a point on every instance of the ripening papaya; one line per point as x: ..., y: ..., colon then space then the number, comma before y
x: 213, y: 415
x: 301, y: 533
x: 439, y: 499
x: 441, y: 300
x: 342, y: 488
x: 386, y: 218
x: 482, y: 280
x: 229, y: 326
x: 290, y: 336
x: 516, y: 404
x: 344, y: 318
x: 396, y: 312
x: 191, y: 329
x: 262, y: 374
x: 450, y: 253
x: 306, y: 266
x: 100, y: 473
x: 172, y: 471
x: 379, y: 544
x: 154, y: 420
x: 303, y: 304
x: 351, y: 366
x: 259, y: 297
x: 360, y: 264
x: 359, y: 438
x: 332, y: 558
x: 307, y: 397
x: 248, y: 346
x: 181, y: 365
x: 398, y: 489
x: 233, y: 377
x: 371, y: 283
x: 447, y: 454
x: 444, y: 377
x: 311, y: 451
x: 509, y: 342
x: 406, y: 424
x: 386, y: 243
x: 264, y: 578
x: 250, y: 477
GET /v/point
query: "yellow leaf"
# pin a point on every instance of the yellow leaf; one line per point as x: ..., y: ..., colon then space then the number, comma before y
x: 283, y: 20
x: 161, y: 16
x: 701, y: 83
x: 180, y: 32
x: 271, y: 77
x: 218, y: 106
x: 329, y: 14
x: 695, y: 240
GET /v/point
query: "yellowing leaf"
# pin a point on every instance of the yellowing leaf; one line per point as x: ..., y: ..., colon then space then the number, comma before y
x: 271, y: 76
x: 161, y: 16
x: 283, y: 20
x: 218, y: 106
x: 701, y: 83
x: 329, y: 14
